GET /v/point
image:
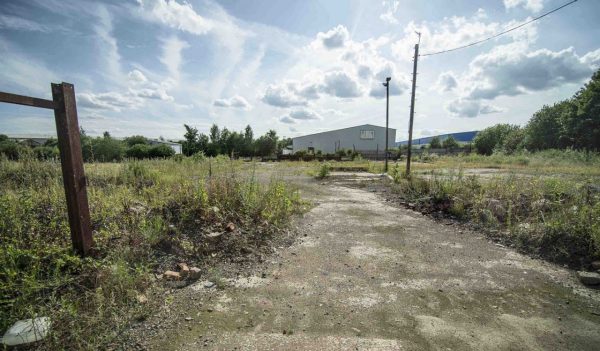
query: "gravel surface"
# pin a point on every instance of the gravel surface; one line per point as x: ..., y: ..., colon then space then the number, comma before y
x: 366, y: 275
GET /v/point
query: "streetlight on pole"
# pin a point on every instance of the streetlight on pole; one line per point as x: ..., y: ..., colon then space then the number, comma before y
x: 387, y: 118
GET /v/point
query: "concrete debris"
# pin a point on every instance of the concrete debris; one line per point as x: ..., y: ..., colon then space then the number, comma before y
x: 589, y: 278
x: 27, y: 331
x: 195, y: 273
x: 184, y: 270
x: 170, y: 275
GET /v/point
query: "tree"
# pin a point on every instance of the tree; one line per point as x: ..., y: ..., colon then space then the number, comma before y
x: 138, y: 151
x: 514, y: 141
x: 584, y: 125
x: 435, y: 143
x: 450, y: 143
x: 161, y: 151
x: 492, y: 138
x: 190, y: 145
x: 248, y: 142
x: 107, y: 149
x: 544, y: 127
x: 266, y: 145
x: 135, y: 140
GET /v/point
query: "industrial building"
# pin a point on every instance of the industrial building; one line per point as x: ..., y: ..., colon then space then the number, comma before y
x: 461, y: 137
x: 366, y: 138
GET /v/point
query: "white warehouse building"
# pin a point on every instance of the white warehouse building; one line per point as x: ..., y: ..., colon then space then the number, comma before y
x: 364, y: 138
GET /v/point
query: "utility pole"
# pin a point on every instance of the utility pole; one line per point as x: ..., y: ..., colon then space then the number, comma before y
x: 387, y: 118
x: 412, y: 106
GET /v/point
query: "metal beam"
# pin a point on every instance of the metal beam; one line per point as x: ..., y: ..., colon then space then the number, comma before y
x: 26, y: 100
x: 67, y: 130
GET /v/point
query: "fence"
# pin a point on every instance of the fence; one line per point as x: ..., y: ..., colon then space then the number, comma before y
x: 69, y: 145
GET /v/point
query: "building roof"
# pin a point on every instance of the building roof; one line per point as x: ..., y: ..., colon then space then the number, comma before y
x: 163, y: 142
x: 337, y: 130
x: 458, y: 136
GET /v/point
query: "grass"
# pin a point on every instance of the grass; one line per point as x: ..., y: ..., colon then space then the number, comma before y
x: 146, y: 216
x: 547, y: 162
x: 555, y: 216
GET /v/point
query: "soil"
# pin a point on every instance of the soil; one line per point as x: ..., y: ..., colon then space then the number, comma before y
x: 364, y: 274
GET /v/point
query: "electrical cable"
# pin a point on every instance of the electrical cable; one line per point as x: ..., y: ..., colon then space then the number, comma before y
x: 501, y: 33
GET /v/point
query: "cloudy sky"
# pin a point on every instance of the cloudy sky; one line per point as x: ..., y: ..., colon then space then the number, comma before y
x: 149, y: 66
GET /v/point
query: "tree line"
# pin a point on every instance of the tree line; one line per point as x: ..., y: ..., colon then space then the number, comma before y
x: 104, y: 148
x: 232, y: 143
x: 573, y: 123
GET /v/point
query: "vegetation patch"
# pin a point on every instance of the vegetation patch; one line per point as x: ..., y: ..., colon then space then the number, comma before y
x: 147, y: 216
x: 555, y: 218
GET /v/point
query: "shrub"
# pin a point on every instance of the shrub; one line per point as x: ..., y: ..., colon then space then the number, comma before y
x: 161, y: 151
x: 324, y: 170
x: 450, y: 143
x: 435, y: 143
x: 46, y: 153
x: 138, y: 151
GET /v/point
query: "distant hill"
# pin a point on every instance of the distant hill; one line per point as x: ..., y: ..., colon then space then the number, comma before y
x: 462, y: 137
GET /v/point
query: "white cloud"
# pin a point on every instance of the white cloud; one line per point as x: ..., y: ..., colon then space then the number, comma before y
x: 234, y: 101
x: 19, y: 23
x: 175, y: 15
x: 299, y: 115
x: 389, y: 15
x: 335, y: 38
x: 592, y: 58
x: 108, y: 101
x: 398, y: 85
x: 341, y: 84
x: 531, y: 5
x: 509, y: 71
x: 304, y: 114
x: 171, y: 55
x: 446, y: 82
x: 136, y: 76
x: 287, y: 120
x: 282, y: 96
x: 455, y: 31
x: 470, y: 108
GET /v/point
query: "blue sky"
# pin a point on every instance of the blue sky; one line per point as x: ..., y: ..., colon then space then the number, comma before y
x: 149, y: 66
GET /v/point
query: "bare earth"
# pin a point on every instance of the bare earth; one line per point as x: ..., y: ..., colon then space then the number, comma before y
x: 368, y: 276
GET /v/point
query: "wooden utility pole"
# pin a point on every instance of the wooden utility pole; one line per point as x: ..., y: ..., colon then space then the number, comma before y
x: 412, y: 108
x: 71, y: 160
x: 69, y: 144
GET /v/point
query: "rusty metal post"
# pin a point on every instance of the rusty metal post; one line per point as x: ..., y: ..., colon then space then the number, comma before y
x: 67, y: 130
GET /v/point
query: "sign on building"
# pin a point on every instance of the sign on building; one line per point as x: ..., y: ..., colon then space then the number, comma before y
x: 367, y: 134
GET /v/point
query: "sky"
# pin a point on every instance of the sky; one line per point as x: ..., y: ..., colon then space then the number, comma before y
x: 147, y: 67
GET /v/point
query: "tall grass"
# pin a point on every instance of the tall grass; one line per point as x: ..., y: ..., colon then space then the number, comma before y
x: 568, y: 162
x: 555, y: 218
x: 145, y: 215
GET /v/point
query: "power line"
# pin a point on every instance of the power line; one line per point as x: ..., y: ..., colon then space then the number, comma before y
x: 501, y: 33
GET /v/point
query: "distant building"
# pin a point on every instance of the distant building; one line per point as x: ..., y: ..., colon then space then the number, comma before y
x: 461, y: 137
x: 31, y: 139
x: 365, y: 138
x: 175, y: 146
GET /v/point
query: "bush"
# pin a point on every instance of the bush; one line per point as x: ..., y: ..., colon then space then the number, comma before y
x: 46, y: 153
x: 492, y: 138
x: 435, y: 143
x: 138, y: 151
x: 161, y: 151
x: 450, y: 143
x: 324, y: 171
x: 13, y: 151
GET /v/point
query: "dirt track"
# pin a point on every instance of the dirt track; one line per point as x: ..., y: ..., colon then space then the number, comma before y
x: 369, y: 276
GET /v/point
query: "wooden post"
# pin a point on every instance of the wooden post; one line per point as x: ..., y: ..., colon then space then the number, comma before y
x: 67, y: 130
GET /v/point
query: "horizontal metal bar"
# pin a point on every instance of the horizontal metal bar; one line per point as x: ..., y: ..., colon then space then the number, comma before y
x: 26, y: 100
